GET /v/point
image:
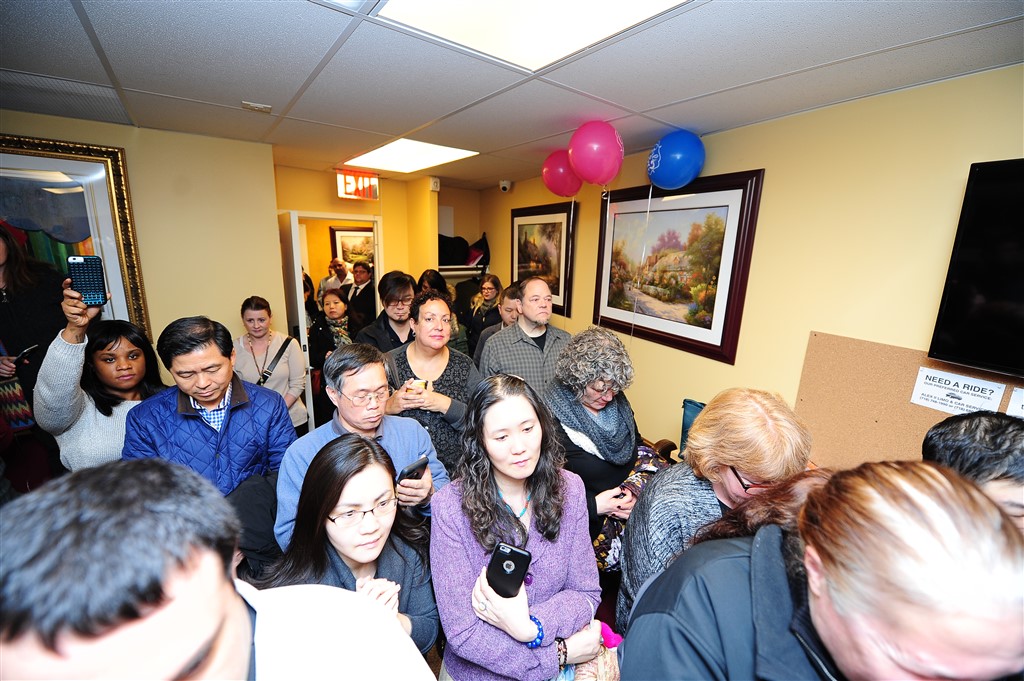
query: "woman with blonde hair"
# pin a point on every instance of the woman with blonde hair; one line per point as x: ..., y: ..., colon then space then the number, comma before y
x: 744, y: 441
x: 895, y: 570
x: 485, y: 310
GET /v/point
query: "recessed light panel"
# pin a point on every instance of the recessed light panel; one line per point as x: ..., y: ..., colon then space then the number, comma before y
x: 407, y: 156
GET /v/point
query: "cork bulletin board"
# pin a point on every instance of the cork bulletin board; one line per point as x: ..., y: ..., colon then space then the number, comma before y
x: 855, y: 397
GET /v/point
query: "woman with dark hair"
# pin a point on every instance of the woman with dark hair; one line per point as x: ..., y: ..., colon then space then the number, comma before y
x: 485, y: 309
x: 89, y: 382
x: 392, y: 327
x: 328, y: 333
x: 510, y: 487
x: 432, y: 280
x: 272, y: 360
x: 350, y: 533
x: 431, y: 381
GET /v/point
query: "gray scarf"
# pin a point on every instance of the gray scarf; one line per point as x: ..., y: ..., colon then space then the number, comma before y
x: 614, y: 436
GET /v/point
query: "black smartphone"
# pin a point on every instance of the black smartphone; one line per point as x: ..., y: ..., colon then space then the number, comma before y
x: 507, y: 569
x: 86, y: 272
x: 414, y: 471
x: 25, y: 353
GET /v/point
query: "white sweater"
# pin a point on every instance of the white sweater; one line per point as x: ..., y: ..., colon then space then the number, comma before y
x: 86, y: 437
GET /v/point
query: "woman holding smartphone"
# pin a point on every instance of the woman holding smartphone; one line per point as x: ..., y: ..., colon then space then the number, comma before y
x: 510, y: 487
x: 431, y: 380
x: 350, y: 533
x: 94, y: 372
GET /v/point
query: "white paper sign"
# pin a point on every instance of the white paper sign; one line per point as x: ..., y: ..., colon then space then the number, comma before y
x: 955, y: 394
x: 1016, y: 406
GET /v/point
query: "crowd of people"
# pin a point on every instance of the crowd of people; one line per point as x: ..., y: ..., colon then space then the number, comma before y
x: 205, y: 531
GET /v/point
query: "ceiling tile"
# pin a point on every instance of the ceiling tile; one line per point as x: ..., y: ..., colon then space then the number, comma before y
x: 182, y: 115
x: 60, y: 97
x: 389, y: 82
x: 322, y: 142
x: 46, y: 37
x: 213, y: 51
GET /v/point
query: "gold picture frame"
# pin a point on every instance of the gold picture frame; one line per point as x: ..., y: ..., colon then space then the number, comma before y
x: 116, y: 230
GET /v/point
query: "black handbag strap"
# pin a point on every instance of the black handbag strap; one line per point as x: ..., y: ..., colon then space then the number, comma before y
x: 273, y: 365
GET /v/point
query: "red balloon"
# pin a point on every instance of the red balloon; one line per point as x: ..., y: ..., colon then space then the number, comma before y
x: 596, y: 152
x: 558, y: 175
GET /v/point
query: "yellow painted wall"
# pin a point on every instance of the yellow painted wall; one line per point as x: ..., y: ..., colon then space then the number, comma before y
x: 858, y: 214
x: 465, y: 204
x: 422, y: 226
x: 204, y: 212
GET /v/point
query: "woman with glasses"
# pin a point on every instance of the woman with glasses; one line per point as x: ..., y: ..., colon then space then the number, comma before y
x: 485, y: 309
x: 431, y: 381
x: 351, y: 533
x: 392, y: 328
x: 742, y: 442
x: 510, y: 487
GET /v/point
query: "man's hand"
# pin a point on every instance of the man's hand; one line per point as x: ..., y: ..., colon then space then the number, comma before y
x: 412, y: 492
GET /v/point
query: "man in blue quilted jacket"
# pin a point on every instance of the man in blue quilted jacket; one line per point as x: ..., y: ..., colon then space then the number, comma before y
x: 221, y: 427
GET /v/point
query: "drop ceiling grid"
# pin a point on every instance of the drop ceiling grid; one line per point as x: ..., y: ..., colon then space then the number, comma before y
x: 387, y: 81
x: 218, y: 52
x: 182, y: 115
x: 323, y: 142
x: 727, y: 44
x: 48, y: 39
x: 55, y: 96
x: 497, y: 123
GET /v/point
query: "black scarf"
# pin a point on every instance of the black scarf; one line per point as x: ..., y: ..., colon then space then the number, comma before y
x: 617, y: 443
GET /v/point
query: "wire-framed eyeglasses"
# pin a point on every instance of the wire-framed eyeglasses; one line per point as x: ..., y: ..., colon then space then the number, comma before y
x: 355, y: 516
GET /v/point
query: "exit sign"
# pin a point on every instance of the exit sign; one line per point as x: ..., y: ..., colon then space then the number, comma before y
x: 354, y: 184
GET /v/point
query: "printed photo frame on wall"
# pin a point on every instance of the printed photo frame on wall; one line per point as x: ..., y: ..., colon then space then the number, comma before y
x: 69, y: 198
x: 352, y: 245
x: 543, y: 239
x: 673, y: 265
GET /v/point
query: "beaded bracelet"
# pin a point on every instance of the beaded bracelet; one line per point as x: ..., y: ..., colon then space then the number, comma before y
x: 563, y: 653
x: 535, y: 643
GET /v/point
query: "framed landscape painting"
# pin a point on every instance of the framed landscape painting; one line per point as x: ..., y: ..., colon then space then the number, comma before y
x: 673, y: 265
x: 542, y: 246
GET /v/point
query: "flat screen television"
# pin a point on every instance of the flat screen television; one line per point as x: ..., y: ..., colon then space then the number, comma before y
x: 981, y: 315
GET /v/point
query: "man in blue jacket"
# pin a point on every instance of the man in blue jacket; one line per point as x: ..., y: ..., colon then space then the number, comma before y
x: 214, y: 423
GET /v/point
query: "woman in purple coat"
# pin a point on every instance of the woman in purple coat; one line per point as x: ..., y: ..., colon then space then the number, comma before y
x: 511, y: 488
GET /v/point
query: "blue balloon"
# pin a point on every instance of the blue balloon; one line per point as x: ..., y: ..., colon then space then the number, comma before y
x: 676, y: 160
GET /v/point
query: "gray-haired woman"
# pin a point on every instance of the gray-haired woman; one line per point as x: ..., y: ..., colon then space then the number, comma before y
x: 599, y: 433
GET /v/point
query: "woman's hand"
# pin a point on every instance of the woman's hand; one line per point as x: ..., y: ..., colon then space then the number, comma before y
x: 408, y: 396
x: 511, y: 615
x: 77, y: 313
x: 584, y: 645
x: 435, y: 401
x: 384, y: 591
x: 7, y: 367
x: 616, y: 502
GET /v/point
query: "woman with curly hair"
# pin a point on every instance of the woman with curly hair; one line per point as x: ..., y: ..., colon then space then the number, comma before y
x: 351, y: 533
x: 742, y: 443
x: 510, y: 487
x: 598, y: 431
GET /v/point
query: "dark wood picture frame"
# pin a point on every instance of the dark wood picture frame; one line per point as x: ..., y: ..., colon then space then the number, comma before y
x: 648, y: 284
x: 553, y: 219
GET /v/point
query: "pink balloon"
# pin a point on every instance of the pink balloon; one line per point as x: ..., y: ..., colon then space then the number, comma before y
x: 595, y: 152
x: 558, y: 176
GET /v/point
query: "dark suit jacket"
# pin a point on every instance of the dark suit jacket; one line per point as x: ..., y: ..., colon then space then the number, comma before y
x: 361, y: 311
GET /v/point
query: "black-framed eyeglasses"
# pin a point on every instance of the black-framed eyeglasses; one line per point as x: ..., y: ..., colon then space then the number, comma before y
x: 355, y: 516
x: 363, y: 399
x: 747, y: 486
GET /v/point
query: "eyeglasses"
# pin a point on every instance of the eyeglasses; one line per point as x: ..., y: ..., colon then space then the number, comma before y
x: 355, y: 516
x: 488, y: 288
x: 363, y: 399
x: 399, y: 302
x: 747, y: 486
x: 603, y: 389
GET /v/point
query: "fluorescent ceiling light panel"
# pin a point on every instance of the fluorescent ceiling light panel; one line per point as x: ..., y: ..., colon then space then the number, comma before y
x: 530, y: 33
x: 407, y: 156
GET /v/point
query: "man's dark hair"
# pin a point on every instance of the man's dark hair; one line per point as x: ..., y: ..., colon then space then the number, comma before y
x: 511, y: 292
x: 92, y: 550
x: 349, y: 359
x: 393, y: 284
x: 189, y: 334
x: 363, y: 264
x: 983, y: 446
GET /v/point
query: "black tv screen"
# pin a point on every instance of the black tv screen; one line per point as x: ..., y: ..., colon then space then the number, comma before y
x: 981, y: 316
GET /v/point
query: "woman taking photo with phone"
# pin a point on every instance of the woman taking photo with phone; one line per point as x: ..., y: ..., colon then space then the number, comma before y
x: 94, y: 372
x: 272, y: 360
x: 431, y: 381
x: 351, y: 533
x: 510, y: 487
